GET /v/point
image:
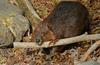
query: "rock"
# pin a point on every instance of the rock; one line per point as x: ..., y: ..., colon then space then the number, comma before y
x: 89, y: 63
x: 12, y: 24
x: 7, y: 9
x: 6, y: 37
x: 19, y: 25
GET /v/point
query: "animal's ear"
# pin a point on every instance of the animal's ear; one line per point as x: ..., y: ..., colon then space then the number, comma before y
x: 36, y: 29
x: 44, y: 28
x: 49, y: 27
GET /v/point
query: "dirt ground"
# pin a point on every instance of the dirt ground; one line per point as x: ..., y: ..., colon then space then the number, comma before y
x: 71, y: 55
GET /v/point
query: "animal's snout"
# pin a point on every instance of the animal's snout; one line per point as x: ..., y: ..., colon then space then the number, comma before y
x: 38, y: 40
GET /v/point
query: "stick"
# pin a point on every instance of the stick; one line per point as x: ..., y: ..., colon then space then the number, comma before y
x: 91, y: 49
x: 29, y: 6
x: 60, y: 42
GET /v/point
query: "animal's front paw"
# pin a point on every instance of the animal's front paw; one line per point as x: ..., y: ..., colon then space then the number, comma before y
x: 53, y: 41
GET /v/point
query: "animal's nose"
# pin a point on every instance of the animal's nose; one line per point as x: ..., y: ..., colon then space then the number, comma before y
x: 38, y: 40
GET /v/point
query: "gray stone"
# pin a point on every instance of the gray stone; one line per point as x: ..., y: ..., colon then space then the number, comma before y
x: 12, y: 24
x: 6, y: 37
x: 7, y: 9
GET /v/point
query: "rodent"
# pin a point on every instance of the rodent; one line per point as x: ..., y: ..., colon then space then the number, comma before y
x: 68, y: 19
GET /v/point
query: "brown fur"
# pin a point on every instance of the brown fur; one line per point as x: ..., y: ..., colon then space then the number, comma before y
x: 68, y: 19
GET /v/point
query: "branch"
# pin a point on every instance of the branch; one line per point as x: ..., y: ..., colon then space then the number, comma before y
x: 60, y: 42
x: 91, y: 49
x: 31, y: 9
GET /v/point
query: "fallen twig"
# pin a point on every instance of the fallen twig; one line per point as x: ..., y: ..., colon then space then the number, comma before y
x: 31, y: 9
x: 91, y: 49
x: 60, y: 42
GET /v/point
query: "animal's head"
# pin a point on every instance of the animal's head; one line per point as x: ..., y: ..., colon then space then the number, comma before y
x: 39, y: 33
